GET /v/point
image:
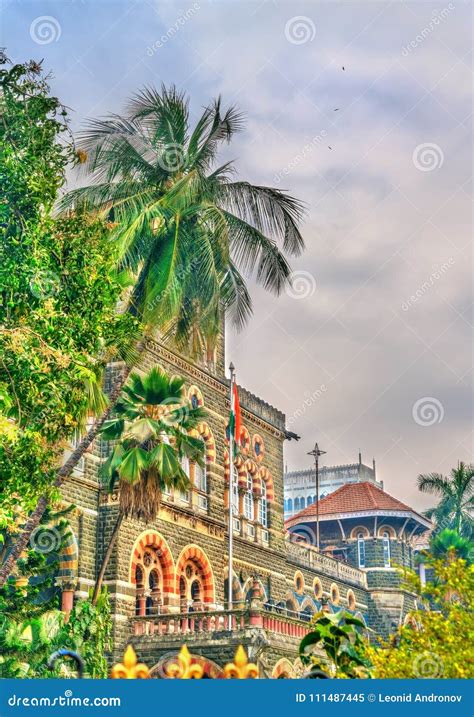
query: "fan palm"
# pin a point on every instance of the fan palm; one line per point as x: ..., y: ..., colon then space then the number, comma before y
x: 186, y: 228
x: 449, y: 545
x: 151, y: 430
x: 454, y: 510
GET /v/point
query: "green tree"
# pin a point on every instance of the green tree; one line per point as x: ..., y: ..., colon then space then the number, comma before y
x: 456, y: 494
x: 151, y: 430
x: 436, y: 639
x: 59, y: 289
x: 449, y: 545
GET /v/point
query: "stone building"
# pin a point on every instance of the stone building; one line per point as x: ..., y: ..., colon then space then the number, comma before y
x: 300, y: 486
x: 168, y: 579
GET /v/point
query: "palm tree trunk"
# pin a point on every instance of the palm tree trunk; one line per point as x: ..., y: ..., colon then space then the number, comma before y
x: 64, y: 472
x: 106, y: 558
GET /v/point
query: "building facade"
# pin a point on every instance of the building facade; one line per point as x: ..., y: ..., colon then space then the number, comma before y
x: 168, y: 580
x: 300, y: 486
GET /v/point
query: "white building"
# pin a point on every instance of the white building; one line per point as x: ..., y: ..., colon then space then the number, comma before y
x: 300, y: 486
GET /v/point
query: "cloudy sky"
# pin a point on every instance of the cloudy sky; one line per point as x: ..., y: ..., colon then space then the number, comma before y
x: 371, y: 349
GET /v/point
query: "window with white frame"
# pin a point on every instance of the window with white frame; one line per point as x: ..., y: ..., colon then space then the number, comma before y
x: 248, y: 499
x: 386, y: 549
x: 361, y: 550
x: 200, y: 484
x: 263, y: 508
x: 184, y: 495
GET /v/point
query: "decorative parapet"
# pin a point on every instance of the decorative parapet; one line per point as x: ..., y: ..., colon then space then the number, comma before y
x: 194, y: 625
x: 308, y: 557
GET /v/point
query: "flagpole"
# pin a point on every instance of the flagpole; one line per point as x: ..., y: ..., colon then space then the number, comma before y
x: 230, y: 576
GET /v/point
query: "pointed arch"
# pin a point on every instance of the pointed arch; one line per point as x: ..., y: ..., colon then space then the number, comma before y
x: 194, y: 554
x: 152, y: 540
x: 266, y: 476
x: 283, y: 670
x: 203, y: 431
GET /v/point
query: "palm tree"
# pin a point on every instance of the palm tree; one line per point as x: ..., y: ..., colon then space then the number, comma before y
x: 449, y: 545
x: 454, y: 510
x: 151, y: 429
x: 186, y: 227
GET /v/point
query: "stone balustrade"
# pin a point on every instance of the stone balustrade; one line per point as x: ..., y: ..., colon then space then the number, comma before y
x: 308, y: 556
x: 218, y: 621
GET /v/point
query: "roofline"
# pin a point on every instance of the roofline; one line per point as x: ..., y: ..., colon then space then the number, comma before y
x: 299, y: 518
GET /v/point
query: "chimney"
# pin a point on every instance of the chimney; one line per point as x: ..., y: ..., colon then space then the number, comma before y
x: 360, y: 458
x: 373, y: 466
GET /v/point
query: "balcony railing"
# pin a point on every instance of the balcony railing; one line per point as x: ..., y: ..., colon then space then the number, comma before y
x: 308, y: 556
x: 199, y: 623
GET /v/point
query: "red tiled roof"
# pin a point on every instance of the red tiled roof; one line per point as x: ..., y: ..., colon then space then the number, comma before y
x: 352, y: 498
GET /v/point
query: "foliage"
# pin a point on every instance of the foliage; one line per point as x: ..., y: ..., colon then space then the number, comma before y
x: 89, y: 630
x: 449, y: 545
x: 58, y: 296
x: 151, y: 427
x: 456, y: 494
x: 31, y: 625
x: 340, y: 646
x: 437, y: 639
x: 185, y: 227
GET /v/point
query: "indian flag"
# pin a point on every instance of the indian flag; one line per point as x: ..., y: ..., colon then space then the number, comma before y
x: 234, y: 416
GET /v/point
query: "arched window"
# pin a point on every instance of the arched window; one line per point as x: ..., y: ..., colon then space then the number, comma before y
x: 361, y: 550
x: 248, y: 498
x: 297, y: 503
x: 309, y: 500
x: 148, y: 581
x: 290, y: 505
x: 386, y: 549
x: 263, y: 508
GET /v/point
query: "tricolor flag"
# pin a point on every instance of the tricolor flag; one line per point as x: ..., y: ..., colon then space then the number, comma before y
x: 234, y: 416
